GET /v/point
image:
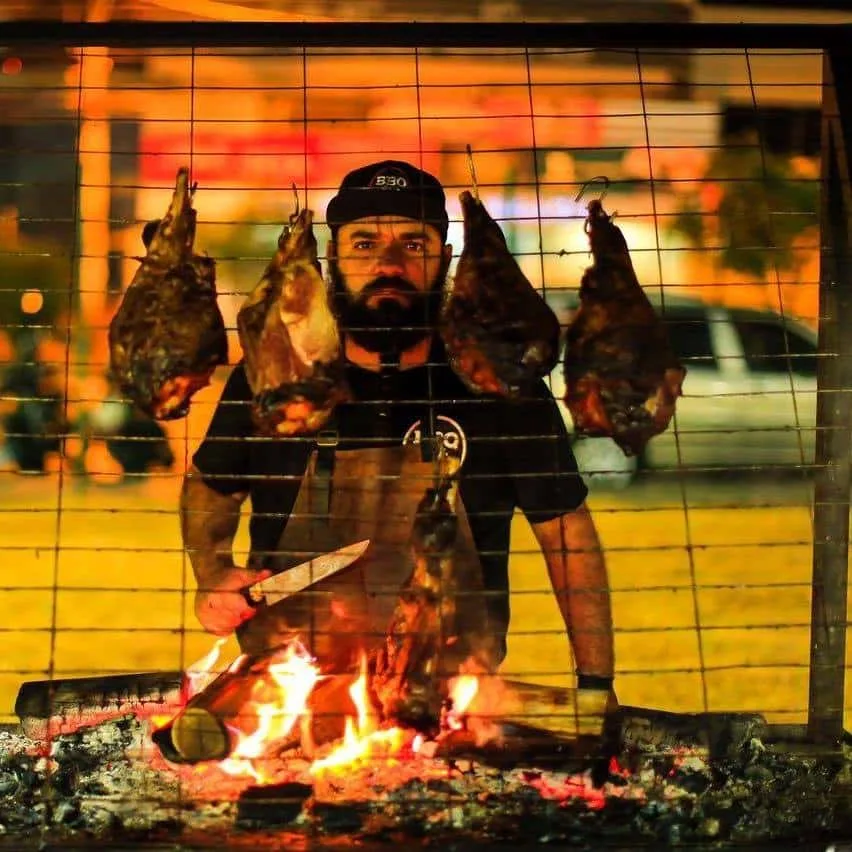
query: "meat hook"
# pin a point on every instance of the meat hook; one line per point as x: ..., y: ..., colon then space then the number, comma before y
x: 598, y: 179
x: 472, y: 169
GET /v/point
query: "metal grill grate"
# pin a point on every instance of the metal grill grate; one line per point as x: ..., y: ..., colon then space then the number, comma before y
x: 713, y: 157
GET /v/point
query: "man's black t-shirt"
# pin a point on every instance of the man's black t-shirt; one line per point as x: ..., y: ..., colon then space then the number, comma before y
x: 516, y: 454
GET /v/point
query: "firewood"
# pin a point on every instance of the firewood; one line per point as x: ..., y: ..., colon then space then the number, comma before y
x: 551, y: 710
x: 63, y: 705
x: 204, y: 729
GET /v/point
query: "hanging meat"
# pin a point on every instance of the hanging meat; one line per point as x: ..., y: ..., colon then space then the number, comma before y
x: 622, y: 378
x: 407, y: 672
x: 168, y: 335
x: 290, y: 339
x: 500, y: 335
x: 440, y: 622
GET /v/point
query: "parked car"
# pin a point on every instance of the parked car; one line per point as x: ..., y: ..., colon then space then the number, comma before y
x: 749, y: 398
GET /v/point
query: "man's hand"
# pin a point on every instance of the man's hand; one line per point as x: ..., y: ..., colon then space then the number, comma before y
x: 220, y: 605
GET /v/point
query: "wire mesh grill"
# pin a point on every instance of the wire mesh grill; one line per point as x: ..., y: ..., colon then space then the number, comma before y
x: 712, y: 158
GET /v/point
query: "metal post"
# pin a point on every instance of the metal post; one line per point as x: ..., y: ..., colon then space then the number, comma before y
x: 834, y: 408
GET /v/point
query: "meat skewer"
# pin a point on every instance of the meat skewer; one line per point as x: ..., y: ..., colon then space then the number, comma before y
x: 168, y: 335
x: 622, y: 377
x: 290, y: 339
x: 500, y: 335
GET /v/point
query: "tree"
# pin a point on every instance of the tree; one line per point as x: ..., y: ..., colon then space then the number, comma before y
x: 752, y: 204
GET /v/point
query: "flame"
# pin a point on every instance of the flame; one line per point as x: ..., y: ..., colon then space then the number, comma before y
x: 201, y: 673
x: 293, y: 678
x: 279, y: 702
x: 363, y: 742
x: 462, y: 690
x: 471, y: 693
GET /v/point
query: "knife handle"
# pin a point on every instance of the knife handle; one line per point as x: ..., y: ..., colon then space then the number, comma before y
x: 253, y: 595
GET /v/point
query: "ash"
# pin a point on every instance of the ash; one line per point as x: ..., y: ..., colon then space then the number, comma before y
x: 108, y: 782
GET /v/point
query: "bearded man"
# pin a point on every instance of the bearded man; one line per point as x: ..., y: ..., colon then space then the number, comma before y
x: 387, y: 265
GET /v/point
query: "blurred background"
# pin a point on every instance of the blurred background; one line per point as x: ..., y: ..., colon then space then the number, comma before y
x: 712, y: 159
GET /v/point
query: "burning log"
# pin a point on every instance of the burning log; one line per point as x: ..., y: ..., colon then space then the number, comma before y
x: 266, y: 701
x: 49, y: 707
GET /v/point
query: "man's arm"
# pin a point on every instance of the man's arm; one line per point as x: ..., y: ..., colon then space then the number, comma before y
x: 578, y: 575
x: 209, y: 521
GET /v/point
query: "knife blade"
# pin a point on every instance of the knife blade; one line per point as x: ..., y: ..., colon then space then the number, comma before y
x: 280, y: 586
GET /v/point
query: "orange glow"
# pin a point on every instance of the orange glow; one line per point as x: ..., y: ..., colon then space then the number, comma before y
x: 32, y: 301
x: 12, y: 66
x: 201, y: 673
x: 278, y: 705
x: 294, y: 677
x: 362, y: 742
x: 476, y: 700
x: 463, y: 690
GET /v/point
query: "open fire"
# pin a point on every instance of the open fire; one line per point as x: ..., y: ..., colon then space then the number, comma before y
x: 248, y: 716
x: 299, y: 753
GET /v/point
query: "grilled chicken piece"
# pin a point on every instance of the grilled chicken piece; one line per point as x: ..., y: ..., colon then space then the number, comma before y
x: 499, y: 333
x: 622, y: 378
x: 290, y: 338
x: 407, y: 674
x: 168, y: 335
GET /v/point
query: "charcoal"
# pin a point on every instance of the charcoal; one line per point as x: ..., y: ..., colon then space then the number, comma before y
x: 8, y: 782
x: 338, y: 819
x: 271, y: 805
x: 67, y: 812
x: 65, y: 779
x: 691, y: 782
x: 99, y: 784
x: 440, y: 787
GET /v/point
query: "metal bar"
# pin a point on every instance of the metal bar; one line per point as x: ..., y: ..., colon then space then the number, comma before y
x: 599, y: 35
x: 834, y: 409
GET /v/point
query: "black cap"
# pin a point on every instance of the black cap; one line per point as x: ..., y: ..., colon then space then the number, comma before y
x: 393, y: 188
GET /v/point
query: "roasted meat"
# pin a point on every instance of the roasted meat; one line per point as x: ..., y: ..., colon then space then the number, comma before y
x: 622, y: 378
x: 499, y: 333
x: 407, y: 673
x: 168, y: 335
x: 290, y: 339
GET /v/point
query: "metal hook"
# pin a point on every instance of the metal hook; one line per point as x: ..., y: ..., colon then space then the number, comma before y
x: 598, y: 179
x: 472, y: 169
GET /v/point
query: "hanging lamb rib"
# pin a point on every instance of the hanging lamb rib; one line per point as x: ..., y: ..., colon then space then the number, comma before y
x: 168, y: 335
x: 439, y: 622
x: 290, y: 339
x: 500, y: 335
x: 405, y: 679
x: 622, y: 378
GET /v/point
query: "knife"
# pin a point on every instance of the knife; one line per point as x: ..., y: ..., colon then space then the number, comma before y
x: 286, y: 583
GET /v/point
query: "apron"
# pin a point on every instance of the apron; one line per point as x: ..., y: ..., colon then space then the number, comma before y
x: 347, y: 496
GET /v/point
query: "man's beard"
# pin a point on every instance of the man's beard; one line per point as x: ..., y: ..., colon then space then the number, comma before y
x: 387, y: 325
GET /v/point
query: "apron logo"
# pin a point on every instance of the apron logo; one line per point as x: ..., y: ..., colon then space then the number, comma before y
x: 449, y: 431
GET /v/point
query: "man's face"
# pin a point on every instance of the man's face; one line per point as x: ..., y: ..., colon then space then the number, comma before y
x: 387, y: 272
